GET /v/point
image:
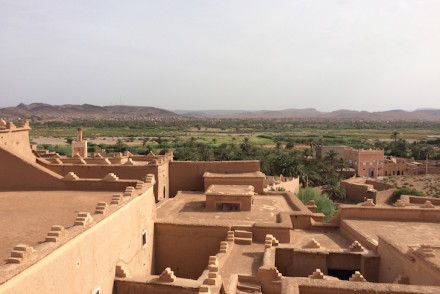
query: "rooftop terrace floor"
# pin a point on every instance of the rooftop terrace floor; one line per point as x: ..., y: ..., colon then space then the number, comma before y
x: 189, y: 207
x: 330, y: 239
x: 403, y: 235
x: 27, y: 216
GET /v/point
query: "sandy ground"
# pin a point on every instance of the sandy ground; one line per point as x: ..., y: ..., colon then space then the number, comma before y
x: 429, y: 185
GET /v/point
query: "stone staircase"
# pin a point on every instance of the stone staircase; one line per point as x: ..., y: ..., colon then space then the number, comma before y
x: 248, y: 284
x: 243, y: 237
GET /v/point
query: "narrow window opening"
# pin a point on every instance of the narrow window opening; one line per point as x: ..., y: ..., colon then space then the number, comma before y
x: 144, y: 238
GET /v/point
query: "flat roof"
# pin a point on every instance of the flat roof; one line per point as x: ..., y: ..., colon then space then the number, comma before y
x: 329, y: 238
x: 27, y: 216
x: 256, y: 174
x: 402, y: 235
x: 189, y: 208
x: 230, y: 190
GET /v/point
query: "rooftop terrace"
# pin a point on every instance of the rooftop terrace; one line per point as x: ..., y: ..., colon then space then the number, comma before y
x: 27, y: 216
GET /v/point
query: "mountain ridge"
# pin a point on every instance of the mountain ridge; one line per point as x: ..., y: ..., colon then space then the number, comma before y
x: 88, y: 111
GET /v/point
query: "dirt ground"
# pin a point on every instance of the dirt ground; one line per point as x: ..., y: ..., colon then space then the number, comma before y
x: 429, y: 185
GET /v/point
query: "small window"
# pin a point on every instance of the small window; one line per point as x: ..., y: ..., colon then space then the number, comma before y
x: 97, y: 291
x: 144, y: 238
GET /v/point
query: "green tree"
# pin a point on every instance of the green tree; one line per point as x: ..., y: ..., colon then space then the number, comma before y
x: 331, y: 156
x: 334, y: 189
x: 323, y: 203
x: 289, y: 145
x: 395, y: 136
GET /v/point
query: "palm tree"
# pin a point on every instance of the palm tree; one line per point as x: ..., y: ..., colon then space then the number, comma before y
x: 341, y: 164
x: 245, y: 146
x: 334, y: 189
x: 331, y: 155
x: 394, y: 136
x: 289, y: 145
x: 278, y: 146
x: 311, y: 144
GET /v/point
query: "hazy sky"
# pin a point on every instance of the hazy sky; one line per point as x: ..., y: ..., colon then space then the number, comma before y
x: 363, y: 55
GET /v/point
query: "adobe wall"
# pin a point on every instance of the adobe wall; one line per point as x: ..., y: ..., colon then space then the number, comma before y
x: 87, y: 262
x: 355, y: 191
x: 186, y: 248
x: 315, y: 286
x: 18, y: 173
x: 378, y: 185
x: 143, y: 287
x: 162, y: 186
x: 256, y: 182
x: 419, y: 199
x: 122, y: 171
x: 393, y: 263
x: 296, y: 262
x: 188, y: 175
x: 386, y: 213
x: 16, y: 140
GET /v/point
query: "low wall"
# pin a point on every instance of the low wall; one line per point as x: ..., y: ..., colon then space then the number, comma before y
x: 122, y: 171
x: 145, y: 285
x: 409, y: 199
x: 378, y: 185
x: 314, y: 286
x: 356, y: 192
x: 87, y: 261
x: 188, y: 175
x: 257, y: 183
x: 393, y: 263
x: 382, y: 197
x: 186, y: 248
x: 386, y: 213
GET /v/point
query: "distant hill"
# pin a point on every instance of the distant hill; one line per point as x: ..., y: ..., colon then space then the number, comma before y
x: 68, y: 112
x: 313, y: 114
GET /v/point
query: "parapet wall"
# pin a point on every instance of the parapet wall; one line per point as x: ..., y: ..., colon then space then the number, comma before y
x: 414, y: 267
x: 87, y: 262
x: 16, y: 140
x: 186, y: 248
x: 136, y: 172
x: 21, y: 174
x: 188, y: 175
x: 359, y: 191
x: 386, y: 213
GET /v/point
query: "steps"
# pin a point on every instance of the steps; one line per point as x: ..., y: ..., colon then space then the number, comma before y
x: 248, y: 284
x: 242, y: 237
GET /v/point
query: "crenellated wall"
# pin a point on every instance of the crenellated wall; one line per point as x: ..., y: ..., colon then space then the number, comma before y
x: 136, y: 172
x: 89, y: 252
x: 16, y: 139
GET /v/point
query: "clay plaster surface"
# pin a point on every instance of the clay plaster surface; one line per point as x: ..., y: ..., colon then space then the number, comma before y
x: 189, y: 207
x: 403, y: 235
x: 27, y: 216
x: 233, y: 175
x: 243, y: 260
x: 330, y: 239
x: 235, y: 190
